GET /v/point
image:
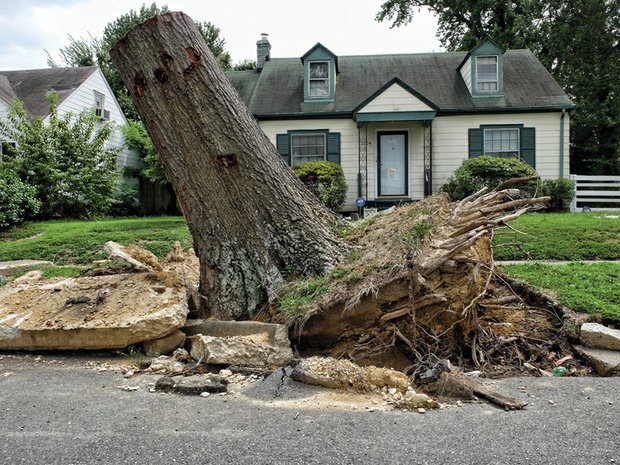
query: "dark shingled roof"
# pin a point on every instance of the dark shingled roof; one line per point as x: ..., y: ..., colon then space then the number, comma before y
x: 31, y: 86
x: 278, y: 90
x: 6, y: 91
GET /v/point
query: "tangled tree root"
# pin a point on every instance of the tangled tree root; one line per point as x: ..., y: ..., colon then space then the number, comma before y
x: 425, y: 288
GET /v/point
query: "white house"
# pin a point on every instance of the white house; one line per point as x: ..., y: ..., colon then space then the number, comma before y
x: 78, y: 89
x: 401, y: 124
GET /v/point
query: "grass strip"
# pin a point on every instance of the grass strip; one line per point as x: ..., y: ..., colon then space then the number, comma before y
x: 560, y: 236
x: 80, y: 242
x: 592, y: 288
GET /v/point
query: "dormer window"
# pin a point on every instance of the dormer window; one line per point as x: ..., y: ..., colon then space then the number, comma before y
x: 320, y: 71
x: 318, y: 79
x: 482, y: 70
x: 487, y: 75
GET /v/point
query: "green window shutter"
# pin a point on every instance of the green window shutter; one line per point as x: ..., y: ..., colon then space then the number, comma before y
x: 528, y: 146
x: 475, y: 143
x: 282, y: 145
x: 333, y: 147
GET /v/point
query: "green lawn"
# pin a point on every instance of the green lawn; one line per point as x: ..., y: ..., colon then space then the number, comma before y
x: 586, y: 287
x: 592, y: 288
x: 561, y: 236
x: 81, y: 242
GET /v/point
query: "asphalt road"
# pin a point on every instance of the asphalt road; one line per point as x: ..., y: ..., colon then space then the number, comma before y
x: 68, y: 414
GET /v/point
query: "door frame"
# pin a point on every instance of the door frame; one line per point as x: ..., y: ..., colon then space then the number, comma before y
x: 399, y: 132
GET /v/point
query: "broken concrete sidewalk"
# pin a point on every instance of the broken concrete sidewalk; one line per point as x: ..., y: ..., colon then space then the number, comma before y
x: 597, y: 336
x: 241, y: 343
x: 604, y: 362
x: 15, y: 266
x: 111, y: 311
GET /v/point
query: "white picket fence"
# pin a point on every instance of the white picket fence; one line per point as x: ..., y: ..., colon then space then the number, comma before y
x: 600, y: 190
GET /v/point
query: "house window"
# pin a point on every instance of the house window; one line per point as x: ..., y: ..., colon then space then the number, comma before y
x: 502, y: 142
x: 487, y: 76
x: 307, y: 147
x: 100, y: 110
x: 318, y: 79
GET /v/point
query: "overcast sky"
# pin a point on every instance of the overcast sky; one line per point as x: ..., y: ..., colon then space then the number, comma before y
x: 346, y: 27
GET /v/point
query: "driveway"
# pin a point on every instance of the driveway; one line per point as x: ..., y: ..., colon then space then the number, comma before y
x: 62, y: 409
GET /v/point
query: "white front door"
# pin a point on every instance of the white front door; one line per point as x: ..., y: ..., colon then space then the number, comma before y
x: 392, y: 161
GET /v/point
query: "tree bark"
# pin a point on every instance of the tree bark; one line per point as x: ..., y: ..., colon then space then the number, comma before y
x: 250, y: 217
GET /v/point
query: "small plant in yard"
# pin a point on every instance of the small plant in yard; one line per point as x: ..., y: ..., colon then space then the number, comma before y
x: 479, y: 172
x: 412, y: 238
x: 325, y: 180
x: 65, y: 159
x: 561, y: 191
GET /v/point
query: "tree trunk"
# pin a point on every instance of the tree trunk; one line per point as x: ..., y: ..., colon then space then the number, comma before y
x: 251, y: 219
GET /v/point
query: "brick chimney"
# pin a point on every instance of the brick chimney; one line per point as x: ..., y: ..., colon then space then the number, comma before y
x: 263, y: 48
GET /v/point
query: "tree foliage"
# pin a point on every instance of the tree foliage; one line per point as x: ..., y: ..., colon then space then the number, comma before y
x: 94, y: 51
x: 17, y: 199
x: 138, y: 139
x: 580, y: 45
x: 64, y: 159
x: 577, y: 41
x: 463, y: 23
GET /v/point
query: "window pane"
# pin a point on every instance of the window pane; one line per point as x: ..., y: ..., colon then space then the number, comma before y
x: 501, y: 142
x: 319, y: 70
x: 307, y: 147
x: 486, y: 69
x: 319, y: 88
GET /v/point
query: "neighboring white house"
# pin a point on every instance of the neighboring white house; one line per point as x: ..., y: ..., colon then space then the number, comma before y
x: 400, y: 125
x: 78, y: 89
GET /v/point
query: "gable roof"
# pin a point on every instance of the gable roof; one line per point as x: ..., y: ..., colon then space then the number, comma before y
x: 389, y: 85
x: 32, y: 86
x: 277, y: 92
x: 319, y: 47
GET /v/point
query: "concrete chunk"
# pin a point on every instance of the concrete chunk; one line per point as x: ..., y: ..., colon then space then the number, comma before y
x: 343, y: 374
x: 598, y: 336
x: 245, y: 343
x: 604, y: 362
x: 165, y: 345
x: 103, y: 312
x: 117, y: 252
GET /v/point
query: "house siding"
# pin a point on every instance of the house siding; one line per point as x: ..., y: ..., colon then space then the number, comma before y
x: 466, y: 73
x: 4, y: 109
x: 395, y: 98
x: 84, y: 97
x: 450, y: 141
x: 450, y: 145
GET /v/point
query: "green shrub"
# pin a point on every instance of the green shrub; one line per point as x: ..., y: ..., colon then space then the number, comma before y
x: 17, y: 199
x: 325, y: 180
x: 561, y: 191
x: 66, y: 159
x: 476, y: 173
